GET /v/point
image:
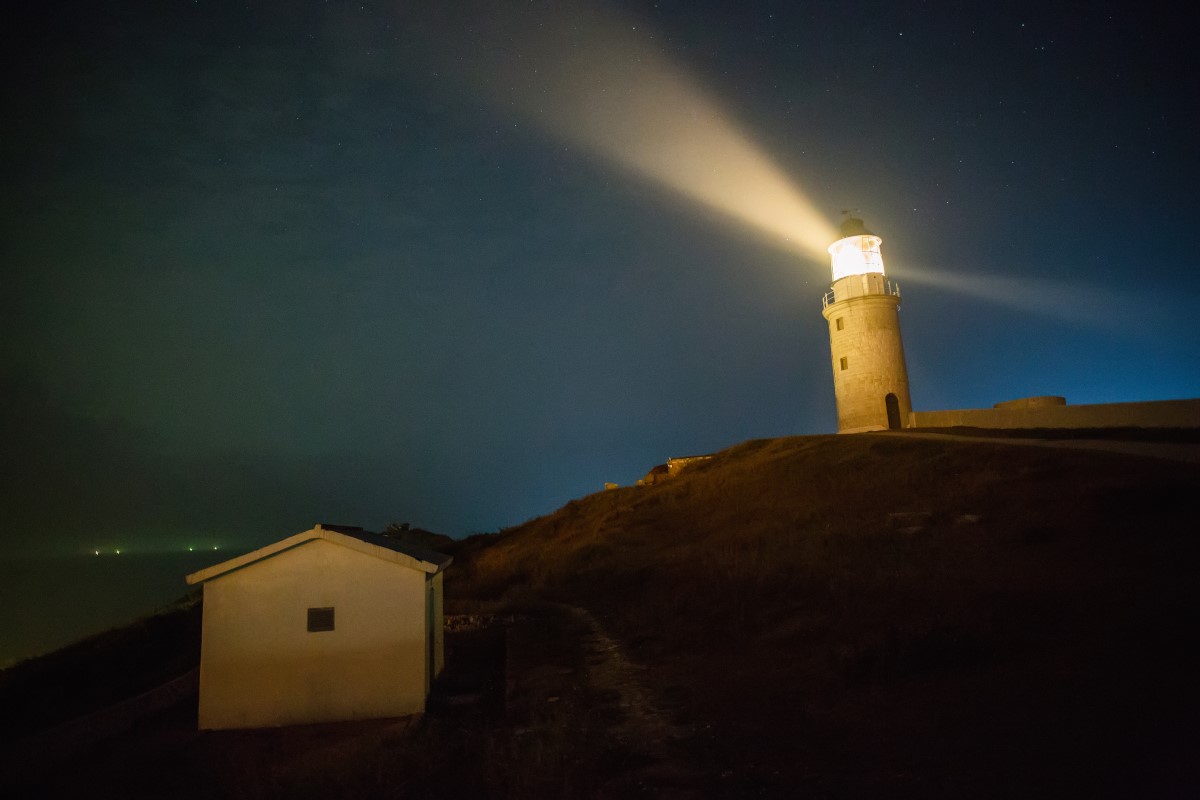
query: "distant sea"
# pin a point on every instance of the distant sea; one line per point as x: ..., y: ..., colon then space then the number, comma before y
x: 46, y: 603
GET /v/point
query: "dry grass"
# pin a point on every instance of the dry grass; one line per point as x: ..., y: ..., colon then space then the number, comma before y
x: 1040, y: 581
x: 1027, y: 630
x: 100, y: 670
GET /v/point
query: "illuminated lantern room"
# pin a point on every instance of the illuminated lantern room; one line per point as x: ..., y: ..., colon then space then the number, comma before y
x: 857, y: 252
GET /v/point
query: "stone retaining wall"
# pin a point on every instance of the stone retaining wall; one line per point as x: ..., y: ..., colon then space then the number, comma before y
x: 1151, y: 414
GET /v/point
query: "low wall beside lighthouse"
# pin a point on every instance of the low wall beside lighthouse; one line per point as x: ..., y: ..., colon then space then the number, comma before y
x: 1013, y: 414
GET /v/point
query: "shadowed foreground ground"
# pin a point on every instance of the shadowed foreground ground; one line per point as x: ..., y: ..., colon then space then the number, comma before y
x: 538, y: 704
x: 869, y: 616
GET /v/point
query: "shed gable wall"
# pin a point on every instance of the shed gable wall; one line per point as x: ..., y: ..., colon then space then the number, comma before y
x: 260, y: 665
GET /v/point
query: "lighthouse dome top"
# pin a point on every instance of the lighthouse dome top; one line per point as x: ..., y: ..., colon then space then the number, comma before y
x: 853, y: 226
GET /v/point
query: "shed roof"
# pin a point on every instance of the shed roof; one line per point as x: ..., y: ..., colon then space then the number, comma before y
x: 366, y: 542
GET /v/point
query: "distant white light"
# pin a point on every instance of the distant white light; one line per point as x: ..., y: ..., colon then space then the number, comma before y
x: 856, y: 255
x: 191, y: 549
x: 118, y: 552
x: 97, y: 552
x: 214, y: 547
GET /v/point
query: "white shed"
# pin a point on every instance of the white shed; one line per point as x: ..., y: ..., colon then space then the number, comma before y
x: 334, y: 623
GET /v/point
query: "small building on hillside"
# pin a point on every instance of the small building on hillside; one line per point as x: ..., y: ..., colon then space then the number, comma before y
x: 675, y: 465
x: 334, y: 623
x: 670, y: 469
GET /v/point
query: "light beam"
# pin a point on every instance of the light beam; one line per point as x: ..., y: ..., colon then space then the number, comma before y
x: 1069, y: 302
x: 598, y: 80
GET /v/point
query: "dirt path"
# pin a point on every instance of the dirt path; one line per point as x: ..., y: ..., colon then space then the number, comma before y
x: 611, y: 674
x: 574, y: 693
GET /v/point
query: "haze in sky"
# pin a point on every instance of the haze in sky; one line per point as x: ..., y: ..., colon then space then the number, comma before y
x: 271, y: 264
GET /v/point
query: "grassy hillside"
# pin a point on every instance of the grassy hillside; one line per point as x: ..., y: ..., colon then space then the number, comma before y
x: 98, y: 671
x: 862, y: 616
x: 885, y: 614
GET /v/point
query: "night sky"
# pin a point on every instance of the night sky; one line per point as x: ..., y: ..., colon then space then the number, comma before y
x: 269, y: 264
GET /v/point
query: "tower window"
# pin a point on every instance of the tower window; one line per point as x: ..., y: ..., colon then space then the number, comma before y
x: 840, y: 324
x: 845, y: 361
x: 320, y: 619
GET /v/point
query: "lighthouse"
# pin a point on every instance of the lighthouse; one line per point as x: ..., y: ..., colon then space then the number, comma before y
x: 870, y: 379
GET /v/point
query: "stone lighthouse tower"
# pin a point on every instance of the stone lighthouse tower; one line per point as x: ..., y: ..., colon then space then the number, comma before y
x: 870, y: 379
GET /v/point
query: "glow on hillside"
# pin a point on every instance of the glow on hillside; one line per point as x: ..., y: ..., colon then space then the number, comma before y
x: 598, y: 79
x: 856, y: 255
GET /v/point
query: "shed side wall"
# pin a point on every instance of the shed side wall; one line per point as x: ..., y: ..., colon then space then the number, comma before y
x: 439, y: 629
